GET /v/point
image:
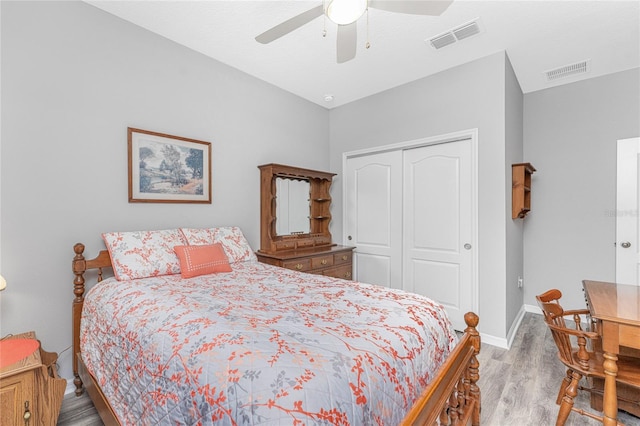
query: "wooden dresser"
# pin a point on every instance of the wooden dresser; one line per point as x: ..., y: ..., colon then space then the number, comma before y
x: 334, y: 261
x: 30, y: 390
x: 305, y: 243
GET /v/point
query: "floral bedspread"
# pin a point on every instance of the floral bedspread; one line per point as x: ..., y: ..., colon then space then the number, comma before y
x: 261, y: 345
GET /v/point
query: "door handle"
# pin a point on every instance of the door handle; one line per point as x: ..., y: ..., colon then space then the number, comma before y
x: 625, y: 244
x: 467, y: 246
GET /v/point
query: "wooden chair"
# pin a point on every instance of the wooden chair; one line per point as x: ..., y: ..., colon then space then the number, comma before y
x: 585, y: 360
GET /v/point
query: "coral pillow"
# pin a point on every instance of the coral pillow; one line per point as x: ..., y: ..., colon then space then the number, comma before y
x: 202, y: 260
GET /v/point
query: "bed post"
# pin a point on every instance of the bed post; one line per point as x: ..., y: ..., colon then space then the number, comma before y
x: 473, y: 375
x: 79, y: 266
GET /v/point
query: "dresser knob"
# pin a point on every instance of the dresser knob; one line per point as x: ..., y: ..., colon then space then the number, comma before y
x: 347, y: 275
x: 345, y: 257
x: 324, y: 261
x: 299, y: 266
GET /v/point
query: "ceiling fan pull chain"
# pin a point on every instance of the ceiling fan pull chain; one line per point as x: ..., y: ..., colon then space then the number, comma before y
x: 368, y: 45
x: 324, y: 19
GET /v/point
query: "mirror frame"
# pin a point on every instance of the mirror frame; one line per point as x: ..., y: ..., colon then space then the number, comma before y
x: 319, y: 208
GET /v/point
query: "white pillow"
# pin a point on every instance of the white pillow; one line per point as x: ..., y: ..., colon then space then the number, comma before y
x: 232, y: 239
x: 141, y: 254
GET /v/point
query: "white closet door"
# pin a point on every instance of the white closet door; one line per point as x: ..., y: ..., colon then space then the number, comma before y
x: 438, y: 225
x: 627, y: 218
x: 373, y: 207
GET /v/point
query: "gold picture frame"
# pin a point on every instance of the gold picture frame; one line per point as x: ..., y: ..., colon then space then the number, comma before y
x: 168, y: 169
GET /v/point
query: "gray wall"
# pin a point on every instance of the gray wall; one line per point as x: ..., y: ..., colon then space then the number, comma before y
x: 570, y: 135
x: 465, y: 97
x: 514, y: 102
x: 73, y: 79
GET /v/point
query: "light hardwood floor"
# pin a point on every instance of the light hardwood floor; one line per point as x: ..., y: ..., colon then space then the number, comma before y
x: 518, y: 385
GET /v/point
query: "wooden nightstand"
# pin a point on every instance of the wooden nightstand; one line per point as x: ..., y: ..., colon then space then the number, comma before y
x: 30, y: 390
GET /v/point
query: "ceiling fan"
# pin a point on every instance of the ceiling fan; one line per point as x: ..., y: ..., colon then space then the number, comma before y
x: 346, y: 13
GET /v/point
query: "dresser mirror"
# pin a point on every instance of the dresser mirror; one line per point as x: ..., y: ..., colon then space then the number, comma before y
x: 294, y: 208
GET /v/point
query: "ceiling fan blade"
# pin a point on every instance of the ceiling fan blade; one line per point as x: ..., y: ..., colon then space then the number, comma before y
x: 289, y: 25
x: 412, y: 7
x: 346, y: 42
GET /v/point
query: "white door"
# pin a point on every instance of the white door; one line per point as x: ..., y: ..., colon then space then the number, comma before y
x: 373, y: 217
x: 438, y: 225
x: 627, y: 239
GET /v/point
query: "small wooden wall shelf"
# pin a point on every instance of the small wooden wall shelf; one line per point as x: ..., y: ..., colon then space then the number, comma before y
x: 521, y: 189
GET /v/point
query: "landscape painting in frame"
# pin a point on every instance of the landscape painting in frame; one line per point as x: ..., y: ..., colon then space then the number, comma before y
x: 168, y: 169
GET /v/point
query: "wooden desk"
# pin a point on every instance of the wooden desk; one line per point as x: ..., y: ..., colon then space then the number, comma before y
x: 616, y: 309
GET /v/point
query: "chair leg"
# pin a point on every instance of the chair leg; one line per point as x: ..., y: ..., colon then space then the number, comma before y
x: 563, y: 386
x: 567, y: 400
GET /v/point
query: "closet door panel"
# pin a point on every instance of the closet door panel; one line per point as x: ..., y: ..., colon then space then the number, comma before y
x: 374, y: 269
x: 374, y: 217
x: 437, y: 235
x: 436, y: 195
x: 426, y: 273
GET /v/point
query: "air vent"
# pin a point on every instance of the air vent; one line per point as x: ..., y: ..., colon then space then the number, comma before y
x: 569, y: 70
x: 442, y: 40
x: 466, y: 30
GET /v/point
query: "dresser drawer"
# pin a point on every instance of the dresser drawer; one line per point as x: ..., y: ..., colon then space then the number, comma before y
x: 343, y: 272
x: 298, y: 264
x: 285, y: 245
x: 342, y: 258
x: 321, y: 261
x: 304, y: 243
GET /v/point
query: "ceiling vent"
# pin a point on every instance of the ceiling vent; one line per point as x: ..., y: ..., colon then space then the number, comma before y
x: 442, y: 40
x: 569, y: 70
x: 466, y: 30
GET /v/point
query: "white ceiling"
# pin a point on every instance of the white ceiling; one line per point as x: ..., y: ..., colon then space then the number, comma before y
x: 537, y: 35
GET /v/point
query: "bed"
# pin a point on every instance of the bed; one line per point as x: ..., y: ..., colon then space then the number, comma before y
x: 250, y: 343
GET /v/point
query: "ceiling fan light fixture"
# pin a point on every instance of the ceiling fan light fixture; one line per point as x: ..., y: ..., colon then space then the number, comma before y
x: 345, y: 12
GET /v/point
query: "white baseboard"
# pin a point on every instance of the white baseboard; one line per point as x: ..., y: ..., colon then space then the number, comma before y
x: 505, y: 343
x: 515, y: 326
x: 499, y: 342
x: 71, y: 388
x: 533, y: 309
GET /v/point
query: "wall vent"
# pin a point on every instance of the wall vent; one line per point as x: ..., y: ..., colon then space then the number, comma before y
x: 569, y: 70
x: 461, y: 32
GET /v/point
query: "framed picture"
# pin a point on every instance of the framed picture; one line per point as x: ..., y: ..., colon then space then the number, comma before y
x: 168, y: 169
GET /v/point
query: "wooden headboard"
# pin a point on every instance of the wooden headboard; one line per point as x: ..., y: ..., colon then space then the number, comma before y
x: 79, y: 266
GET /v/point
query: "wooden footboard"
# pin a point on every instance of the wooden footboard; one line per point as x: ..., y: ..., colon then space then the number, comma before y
x: 452, y: 398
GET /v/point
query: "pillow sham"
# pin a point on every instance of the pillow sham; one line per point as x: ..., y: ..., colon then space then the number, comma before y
x: 142, y: 254
x: 202, y: 260
x: 232, y: 239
